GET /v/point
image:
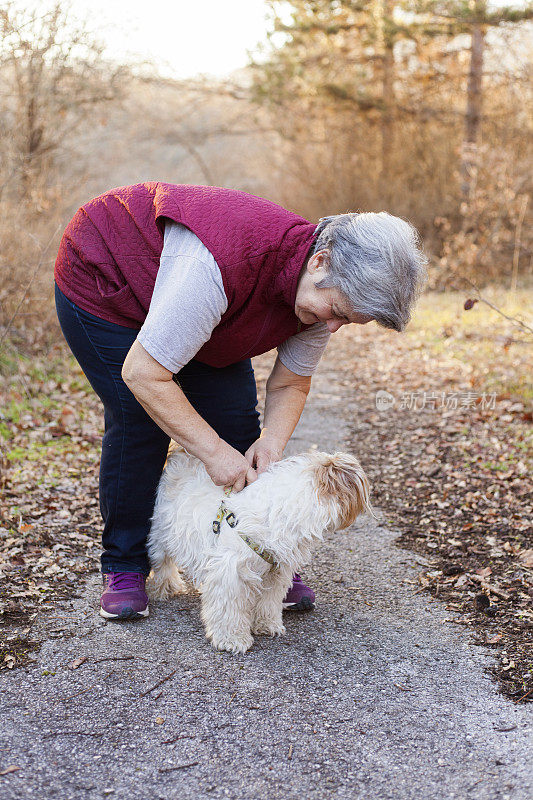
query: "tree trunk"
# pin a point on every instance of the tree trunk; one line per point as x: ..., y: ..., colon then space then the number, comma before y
x: 473, y: 110
x: 386, y: 47
x: 387, y: 120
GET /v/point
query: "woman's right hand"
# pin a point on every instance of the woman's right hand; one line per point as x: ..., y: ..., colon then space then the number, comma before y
x: 227, y: 467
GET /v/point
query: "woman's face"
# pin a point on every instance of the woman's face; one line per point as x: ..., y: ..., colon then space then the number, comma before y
x: 323, y: 305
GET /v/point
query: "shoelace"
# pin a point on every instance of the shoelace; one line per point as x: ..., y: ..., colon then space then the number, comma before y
x: 125, y: 580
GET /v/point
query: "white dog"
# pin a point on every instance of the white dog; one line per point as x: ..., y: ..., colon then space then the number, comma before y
x: 241, y: 551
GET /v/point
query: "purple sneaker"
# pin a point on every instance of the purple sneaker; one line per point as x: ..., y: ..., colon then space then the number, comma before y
x: 124, y: 596
x: 299, y: 597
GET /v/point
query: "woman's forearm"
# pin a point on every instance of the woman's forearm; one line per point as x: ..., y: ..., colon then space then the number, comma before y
x: 170, y: 409
x: 166, y: 403
x: 286, y: 396
x: 283, y: 408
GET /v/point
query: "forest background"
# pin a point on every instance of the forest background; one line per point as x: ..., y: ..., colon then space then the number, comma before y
x: 423, y: 108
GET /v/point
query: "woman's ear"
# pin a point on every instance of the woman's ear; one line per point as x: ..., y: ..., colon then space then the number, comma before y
x: 318, y: 261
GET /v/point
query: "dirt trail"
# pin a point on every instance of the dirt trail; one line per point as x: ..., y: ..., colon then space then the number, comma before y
x: 374, y: 695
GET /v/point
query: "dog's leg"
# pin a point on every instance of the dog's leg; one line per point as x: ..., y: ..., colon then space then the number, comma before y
x: 267, y: 613
x: 228, y: 595
x: 165, y: 580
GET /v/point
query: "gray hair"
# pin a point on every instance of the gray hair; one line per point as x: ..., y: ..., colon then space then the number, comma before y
x: 376, y: 261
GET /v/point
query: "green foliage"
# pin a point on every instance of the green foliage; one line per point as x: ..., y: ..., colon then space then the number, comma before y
x: 38, y: 451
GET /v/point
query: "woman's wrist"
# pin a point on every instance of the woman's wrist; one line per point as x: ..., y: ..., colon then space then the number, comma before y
x: 269, y: 439
x: 206, y: 447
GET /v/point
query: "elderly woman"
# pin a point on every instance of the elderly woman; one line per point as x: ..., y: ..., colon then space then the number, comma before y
x: 165, y: 292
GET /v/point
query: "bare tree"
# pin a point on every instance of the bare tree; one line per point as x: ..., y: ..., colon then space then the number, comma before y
x: 475, y: 18
x: 52, y: 76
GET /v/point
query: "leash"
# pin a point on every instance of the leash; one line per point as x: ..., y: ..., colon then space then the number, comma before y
x: 223, y: 513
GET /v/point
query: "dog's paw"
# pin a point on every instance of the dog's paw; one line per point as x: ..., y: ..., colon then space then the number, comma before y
x: 164, y: 585
x: 233, y: 644
x: 268, y: 627
x: 164, y: 592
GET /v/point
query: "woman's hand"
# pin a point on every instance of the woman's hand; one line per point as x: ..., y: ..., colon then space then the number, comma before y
x: 227, y: 467
x: 263, y: 452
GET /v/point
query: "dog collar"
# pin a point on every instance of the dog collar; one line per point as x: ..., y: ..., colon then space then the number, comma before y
x: 224, y: 514
x: 266, y: 555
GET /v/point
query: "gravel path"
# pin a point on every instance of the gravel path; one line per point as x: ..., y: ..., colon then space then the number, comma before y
x: 374, y: 695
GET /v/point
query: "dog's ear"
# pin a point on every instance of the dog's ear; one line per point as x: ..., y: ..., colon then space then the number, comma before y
x: 341, y: 479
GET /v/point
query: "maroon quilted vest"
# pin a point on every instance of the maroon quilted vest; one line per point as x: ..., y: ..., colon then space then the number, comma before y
x: 109, y: 256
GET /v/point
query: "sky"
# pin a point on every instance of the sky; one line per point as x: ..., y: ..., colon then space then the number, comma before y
x: 183, y: 38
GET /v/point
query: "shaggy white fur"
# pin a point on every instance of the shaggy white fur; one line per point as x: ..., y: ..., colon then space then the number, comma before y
x: 285, y: 511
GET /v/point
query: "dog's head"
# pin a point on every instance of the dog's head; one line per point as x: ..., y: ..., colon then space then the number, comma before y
x: 342, y: 485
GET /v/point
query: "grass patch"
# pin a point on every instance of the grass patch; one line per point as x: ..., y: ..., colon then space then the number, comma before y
x: 498, y: 353
x: 37, y: 451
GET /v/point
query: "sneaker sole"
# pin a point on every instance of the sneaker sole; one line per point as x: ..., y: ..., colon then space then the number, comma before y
x: 126, y: 613
x: 305, y: 604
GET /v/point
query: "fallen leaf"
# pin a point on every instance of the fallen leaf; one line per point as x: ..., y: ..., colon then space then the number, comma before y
x: 484, y: 573
x: 527, y: 558
x: 77, y: 662
x: 11, y: 768
x: 68, y: 418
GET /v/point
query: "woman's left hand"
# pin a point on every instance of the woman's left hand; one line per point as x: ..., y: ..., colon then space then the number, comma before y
x: 263, y: 452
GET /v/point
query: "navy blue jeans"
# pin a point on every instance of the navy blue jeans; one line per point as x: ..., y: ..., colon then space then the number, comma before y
x: 134, y: 448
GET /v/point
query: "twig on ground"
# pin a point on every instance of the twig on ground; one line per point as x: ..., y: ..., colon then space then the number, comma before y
x: 72, y: 733
x: 158, y: 684
x: 180, y: 766
x: 177, y: 738
x: 113, y: 658
x: 524, y: 696
x: 76, y: 694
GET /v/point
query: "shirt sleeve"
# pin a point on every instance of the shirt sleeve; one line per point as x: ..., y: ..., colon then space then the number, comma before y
x: 302, y: 352
x: 188, y: 300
